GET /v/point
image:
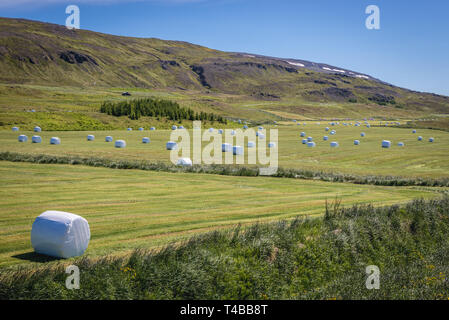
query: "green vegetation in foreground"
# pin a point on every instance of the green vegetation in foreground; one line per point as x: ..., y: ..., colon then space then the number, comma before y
x: 229, y: 170
x: 301, y: 259
x: 418, y: 159
x: 128, y: 209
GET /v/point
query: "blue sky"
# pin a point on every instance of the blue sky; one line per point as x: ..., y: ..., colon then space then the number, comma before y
x: 410, y: 50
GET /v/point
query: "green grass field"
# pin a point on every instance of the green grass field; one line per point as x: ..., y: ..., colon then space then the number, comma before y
x: 127, y: 209
x: 416, y: 159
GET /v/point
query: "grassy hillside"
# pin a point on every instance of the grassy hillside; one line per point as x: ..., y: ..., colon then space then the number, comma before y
x: 128, y: 209
x: 48, y: 67
x: 301, y: 259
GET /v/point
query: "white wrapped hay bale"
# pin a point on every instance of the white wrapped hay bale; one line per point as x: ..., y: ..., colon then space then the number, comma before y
x: 145, y: 140
x: 309, y: 139
x: 326, y: 129
x: 220, y: 131
x: 362, y: 134
x: 130, y: 129
x: 23, y: 138
x: 211, y: 129
x: 245, y: 127
x: 431, y: 139
x: 185, y: 162
x: 400, y: 144
x: 15, y: 129
x: 181, y: 127
x: 174, y: 127
x: 152, y: 128
x: 271, y: 145
x: 325, y: 138
x: 356, y: 142
x: 232, y: 132
x: 261, y: 136
x: 311, y: 144
x: 55, y: 140
x: 303, y: 134
x: 140, y: 129
x: 419, y: 138
x: 251, y: 144
x: 37, y: 129
x: 237, y: 150
x: 108, y: 139
x: 226, y: 147
x: 36, y: 139
x: 120, y: 144
x: 333, y: 132
x: 171, y: 145
x: 60, y: 234
x: 260, y: 128
x: 304, y: 141
x: 334, y: 144
x: 386, y: 144
x: 90, y: 137
x: 413, y: 131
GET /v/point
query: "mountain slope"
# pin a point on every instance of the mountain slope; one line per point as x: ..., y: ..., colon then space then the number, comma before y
x: 40, y: 53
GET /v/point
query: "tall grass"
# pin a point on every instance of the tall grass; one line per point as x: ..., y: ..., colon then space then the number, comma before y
x: 301, y: 259
x: 232, y: 170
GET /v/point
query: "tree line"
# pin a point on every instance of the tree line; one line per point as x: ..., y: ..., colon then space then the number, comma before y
x: 152, y: 107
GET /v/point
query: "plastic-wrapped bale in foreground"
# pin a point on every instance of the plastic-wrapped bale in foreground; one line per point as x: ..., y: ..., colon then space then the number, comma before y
x: 237, y: 150
x: 303, y: 134
x: 413, y: 131
x: 55, y: 140
x: 171, y: 145
x: 36, y: 139
x: 386, y: 144
x: 334, y: 144
x: 431, y: 139
x: 23, y: 138
x: 90, y: 137
x: 419, y: 138
x: 15, y: 128
x: 184, y: 162
x: 226, y: 147
x: 304, y: 141
x: 108, y: 139
x: 120, y: 144
x: 60, y: 234
x: 356, y: 142
x: 309, y: 139
x: 325, y: 138
x: 145, y: 140
x: 362, y: 134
